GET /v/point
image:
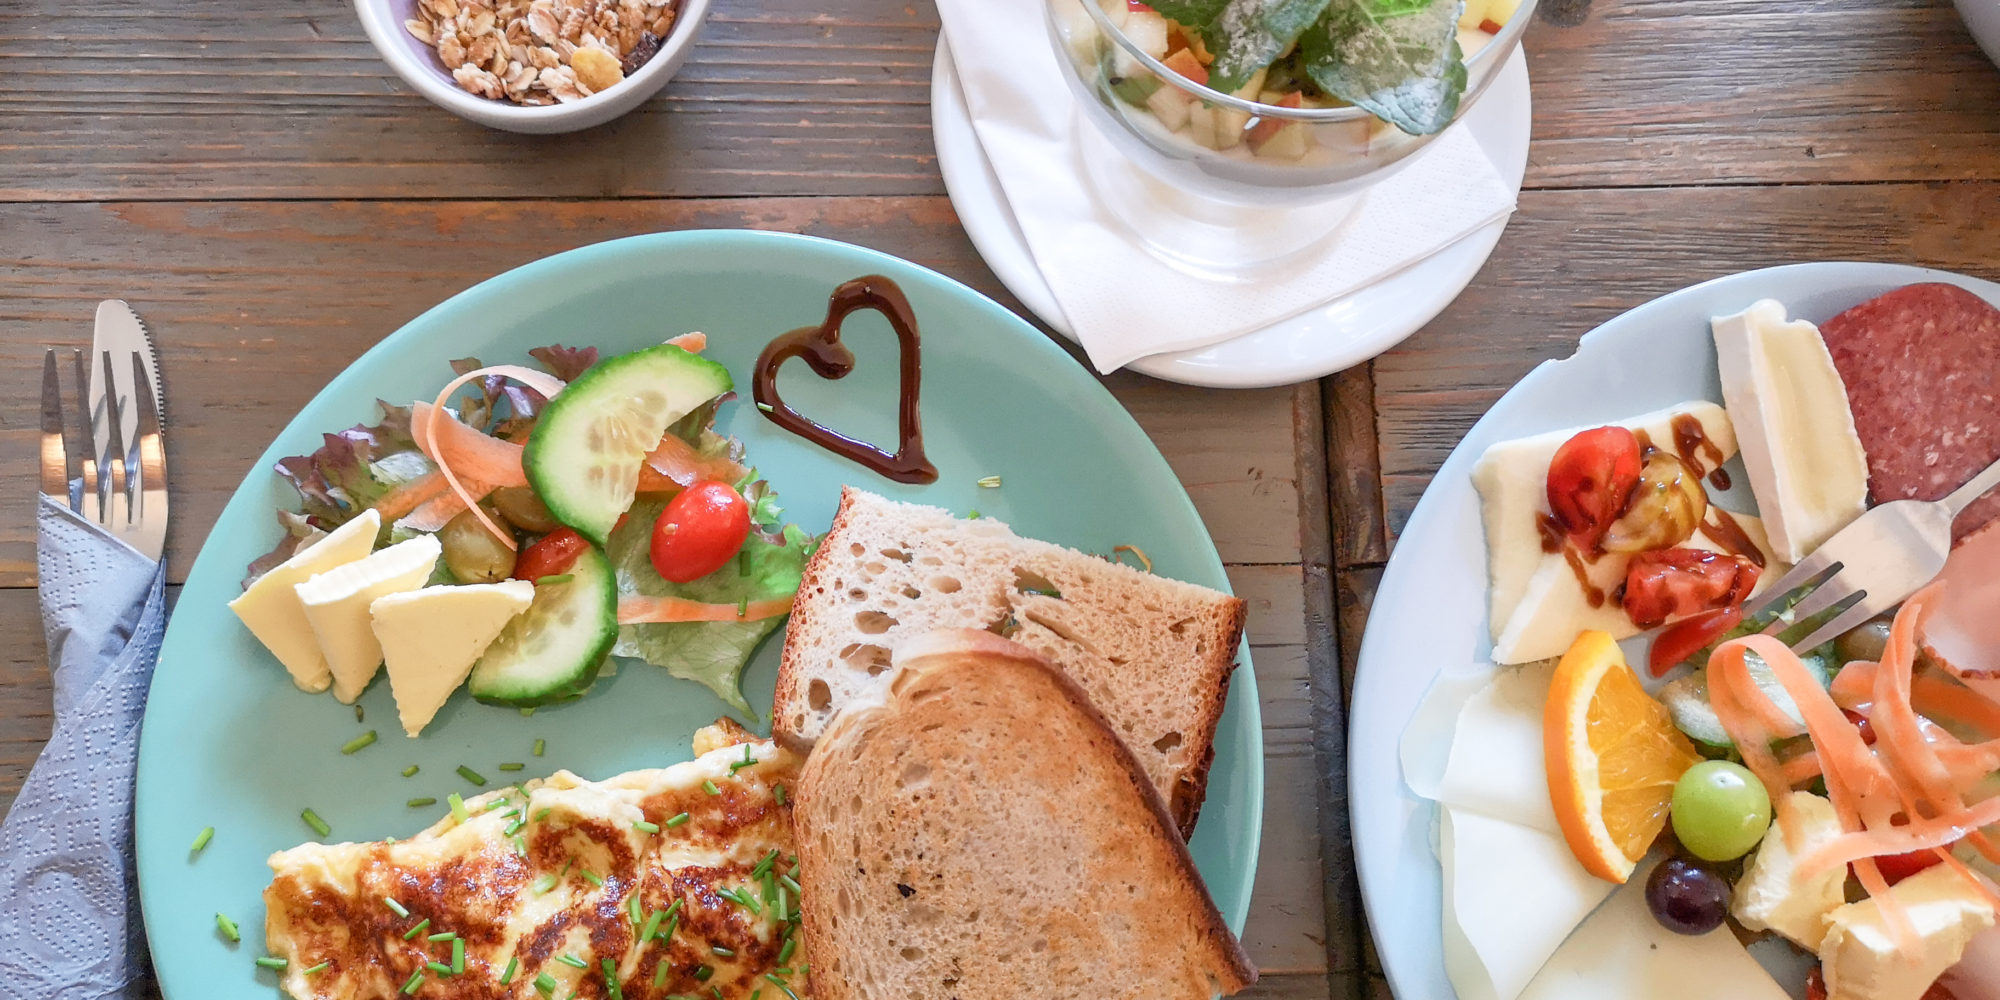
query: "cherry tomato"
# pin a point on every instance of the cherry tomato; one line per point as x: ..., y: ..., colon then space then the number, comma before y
x: 1815, y: 984
x: 1668, y: 583
x: 1687, y: 638
x: 552, y: 556
x: 1897, y: 867
x: 701, y: 530
x: 1590, y: 479
x: 1137, y: 7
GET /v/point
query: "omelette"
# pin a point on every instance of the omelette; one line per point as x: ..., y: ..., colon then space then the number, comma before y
x: 654, y: 884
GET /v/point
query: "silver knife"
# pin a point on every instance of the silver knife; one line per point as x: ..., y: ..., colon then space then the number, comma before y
x: 126, y: 426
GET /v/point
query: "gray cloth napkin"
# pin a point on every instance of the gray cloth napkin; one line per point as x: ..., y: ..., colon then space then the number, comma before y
x: 69, y: 912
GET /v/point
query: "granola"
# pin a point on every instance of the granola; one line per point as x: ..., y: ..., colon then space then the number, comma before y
x: 535, y: 52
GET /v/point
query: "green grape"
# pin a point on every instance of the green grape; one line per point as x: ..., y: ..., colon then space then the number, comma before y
x: 1720, y: 810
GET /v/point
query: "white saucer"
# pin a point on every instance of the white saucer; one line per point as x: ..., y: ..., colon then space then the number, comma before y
x: 1340, y: 334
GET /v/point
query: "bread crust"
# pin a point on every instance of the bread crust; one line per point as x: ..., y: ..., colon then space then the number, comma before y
x: 936, y: 655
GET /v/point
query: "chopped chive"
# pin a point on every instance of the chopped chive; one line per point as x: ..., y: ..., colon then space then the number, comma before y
x: 443, y: 936
x: 358, y: 742
x: 419, y: 803
x: 553, y: 579
x: 511, y: 766
x: 677, y: 820
x: 779, y: 910
x: 499, y: 803
x: 201, y: 839
x: 509, y: 814
x: 766, y: 407
x: 546, y: 984
x: 594, y: 880
x: 395, y: 907
x: 972, y: 515
x: 438, y: 967
x: 541, y: 814
x: 568, y: 959
x: 792, y: 884
x: 318, y: 825
x: 708, y: 786
x: 544, y: 884
x: 411, y: 934
x: 783, y: 986
x: 359, y: 715
x: 317, y: 969
x: 743, y: 561
x: 785, y: 953
x: 645, y: 827
x: 513, y: 962
x: 410, y: 771
x: 458, y: 810
x: 673, y: 927
x: 674, y: 910
x: 720, y: 950
x: 989, y: 482
x: 702, y: 974
x: 540, y: 745
x: 652, y: 924
x: 742, y: 606
x: 632, y: 909
x: 611, y: 978
x: 513, y: 828
x: 457, y: 955
x: 764, y: 864
x: 416, y: 979
x: 778, y: 792
x: 735, y: 766
x: 471, y: 775
x: 520, y: 847
x: 228, y: 928
x: 660, y: 975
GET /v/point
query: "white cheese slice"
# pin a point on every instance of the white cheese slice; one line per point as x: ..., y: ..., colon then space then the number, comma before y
x: 1805, y: 461
x: 271, y: 610
x: 1496, y: 767
x: 1512, y: 479
x: 337, y: 601
x: 1511, y: 895
x: 1554, y: 610
x: 1622, y: 953
x: 1859, y: 955
x: 1771, y: 896
x: 431, y: 638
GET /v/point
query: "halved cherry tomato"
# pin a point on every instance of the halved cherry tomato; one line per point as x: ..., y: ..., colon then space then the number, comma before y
x: 1815, y: 984
x: 1590, y: 480
x: 702, y: 529
x: 1897, y: 867
x: 1687, y: 638
x: 1672, y: 583
x: 552, y: 556
x: 1137, y: 7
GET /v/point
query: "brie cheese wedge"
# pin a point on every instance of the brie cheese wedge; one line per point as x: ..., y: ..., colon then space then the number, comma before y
x: 1772, y: 897
x: 1859, y: 954
x: 270, y: 607
x: 1805, y: 461
x: 431, y: 638
x: 337, y: 602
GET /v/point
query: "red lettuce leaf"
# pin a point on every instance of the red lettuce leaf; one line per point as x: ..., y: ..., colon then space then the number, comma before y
x: 339, y: 481
x: 565, y: 363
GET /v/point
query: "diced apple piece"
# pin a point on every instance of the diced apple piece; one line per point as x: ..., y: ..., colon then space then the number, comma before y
x: 1148, y: 31
x: 1252, y: 87
x: 1230, y: 125
x: 1201, y: 125
x: 1471, y: 40
x: 1475, y: 12
x: 1116, y: 10
x: 1290, y: 142
x: 1170, y: 105
x: 1186, y: 64
x: 1268, y: 127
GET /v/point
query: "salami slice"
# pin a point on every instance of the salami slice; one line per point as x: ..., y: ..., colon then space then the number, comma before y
x: 1922, y: 367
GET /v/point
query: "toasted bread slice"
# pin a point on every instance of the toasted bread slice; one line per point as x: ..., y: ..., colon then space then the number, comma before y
x: 980, y: 831
x: 1154, y: 654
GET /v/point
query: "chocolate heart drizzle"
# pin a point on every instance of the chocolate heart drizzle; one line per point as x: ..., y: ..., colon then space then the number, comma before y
x: 822, y: 350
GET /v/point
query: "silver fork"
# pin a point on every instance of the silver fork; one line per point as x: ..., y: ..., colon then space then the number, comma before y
x: 124, y: 489
x: 1871, y: 565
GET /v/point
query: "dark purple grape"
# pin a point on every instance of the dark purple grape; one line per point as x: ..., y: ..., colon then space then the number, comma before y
x: 1687, y: 898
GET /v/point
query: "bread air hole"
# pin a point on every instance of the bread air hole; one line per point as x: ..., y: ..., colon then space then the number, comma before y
x: 897, y: 554
x: 866, y: 656
x: 944, y: 584
x: 818, y: 696
x: 1167, y: 743
x: 1060, y: 629
x: 912, y: 593
x: 911, y: 954
x: 873, y: 622
x: 1028, y: 581
x: 915, y: 775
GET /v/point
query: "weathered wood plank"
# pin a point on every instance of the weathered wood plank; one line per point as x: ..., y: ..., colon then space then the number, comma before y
x: 1573, y: 259
x: 1354, y: 467
x: 1651, y: 92
x: 257, y: 305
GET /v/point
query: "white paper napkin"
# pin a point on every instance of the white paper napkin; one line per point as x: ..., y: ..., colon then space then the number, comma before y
x: 1123, y: 303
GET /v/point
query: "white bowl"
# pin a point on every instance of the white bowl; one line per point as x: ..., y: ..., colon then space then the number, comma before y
x: 419, y: 66
x: 1982, y: 17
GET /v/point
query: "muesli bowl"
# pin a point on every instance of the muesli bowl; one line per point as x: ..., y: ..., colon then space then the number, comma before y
x: 486, y: 84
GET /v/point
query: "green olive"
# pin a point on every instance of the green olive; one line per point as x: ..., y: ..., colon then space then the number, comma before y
x: 472, y: 553
x: 1866, y: 641
x: 524, y: 510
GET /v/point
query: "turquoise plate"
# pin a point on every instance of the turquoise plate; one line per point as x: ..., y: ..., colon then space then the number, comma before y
x: 230, y: 743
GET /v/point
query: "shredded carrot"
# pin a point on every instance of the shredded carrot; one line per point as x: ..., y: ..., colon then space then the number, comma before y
x: 409, y: 496
x: 1917, y: 835
x: 427, y: 429
x: 682, y: 465
x: 472, y: 455
x: 693, y: 343
x: 636, y: 610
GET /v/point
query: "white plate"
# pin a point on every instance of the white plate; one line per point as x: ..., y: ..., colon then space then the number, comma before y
x: 1340, y: 334
x: 1430, y: 610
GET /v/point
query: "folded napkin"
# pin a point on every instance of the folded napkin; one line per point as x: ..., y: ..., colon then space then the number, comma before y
x: 69, y: 918
x: 1121, y: 302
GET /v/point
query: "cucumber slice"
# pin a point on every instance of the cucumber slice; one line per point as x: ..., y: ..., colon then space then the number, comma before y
x: 1686, y: 699
x: 552, y: 651
x: 583, y: 459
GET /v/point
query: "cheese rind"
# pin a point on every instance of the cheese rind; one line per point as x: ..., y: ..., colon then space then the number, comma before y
x: 1859, y: 955
x: 431, y: 637
x: 1772, y: 897
x: 270, y: 607
x: 1805, y: 461
x: 337, y: 602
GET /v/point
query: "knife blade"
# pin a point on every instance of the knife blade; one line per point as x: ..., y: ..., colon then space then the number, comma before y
x: 119, y: 331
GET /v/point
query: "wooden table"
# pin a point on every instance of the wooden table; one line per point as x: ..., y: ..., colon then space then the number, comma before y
x: 274, y: 201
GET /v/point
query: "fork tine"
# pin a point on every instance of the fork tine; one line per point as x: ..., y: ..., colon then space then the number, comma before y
x: 55, y: 458
x: 118, y: 513
x: 1806, y: 573
x: 1846, y: 620
x: 93, y: 494
x: 1837, y: 588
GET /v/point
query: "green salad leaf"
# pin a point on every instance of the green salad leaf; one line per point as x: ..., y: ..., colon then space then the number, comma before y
x: 1248, y: 35
x: 1194, y: 13
x: 711, y: 653
x: 1397, y: 59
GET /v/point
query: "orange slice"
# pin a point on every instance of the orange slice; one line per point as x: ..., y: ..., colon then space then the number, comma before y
x: 1613, y: 756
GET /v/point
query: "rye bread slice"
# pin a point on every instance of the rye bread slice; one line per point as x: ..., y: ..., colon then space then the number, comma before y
x: 977, y: 830
x: 1154, y: 654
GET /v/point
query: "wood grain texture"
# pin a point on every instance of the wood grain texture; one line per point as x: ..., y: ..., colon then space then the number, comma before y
x: 1573, y: 259
x: 1354, y: 467
x: 257, y: 305
x: 1654, y: 92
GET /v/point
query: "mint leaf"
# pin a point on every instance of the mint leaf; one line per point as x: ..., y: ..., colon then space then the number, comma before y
x: 1193, y: 13
x: 1248, y: 35
x: 1397, y: 59
x: 710, y: 653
